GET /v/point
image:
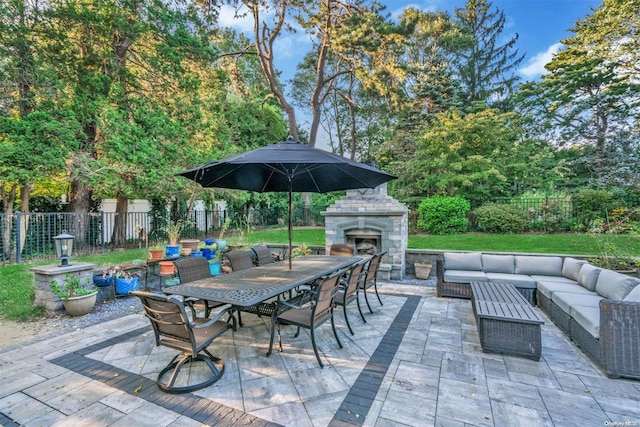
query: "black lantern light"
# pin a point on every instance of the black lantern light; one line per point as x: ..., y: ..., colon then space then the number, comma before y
x: 64, y: 247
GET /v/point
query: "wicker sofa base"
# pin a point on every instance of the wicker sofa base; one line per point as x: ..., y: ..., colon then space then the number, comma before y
x: 560, y: 318
x: 586, y: 342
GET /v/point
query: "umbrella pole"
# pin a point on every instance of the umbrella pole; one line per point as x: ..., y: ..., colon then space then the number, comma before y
x: 290, y: 223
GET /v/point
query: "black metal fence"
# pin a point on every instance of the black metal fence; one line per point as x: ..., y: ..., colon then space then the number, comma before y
x: 30, y: 236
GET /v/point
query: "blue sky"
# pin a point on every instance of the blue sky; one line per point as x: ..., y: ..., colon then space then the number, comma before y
x: 540, y: 24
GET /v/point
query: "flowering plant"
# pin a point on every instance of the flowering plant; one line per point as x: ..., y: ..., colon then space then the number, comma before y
x: 73, y: 287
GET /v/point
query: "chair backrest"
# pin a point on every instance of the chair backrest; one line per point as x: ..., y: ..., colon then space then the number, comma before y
x: 323, y: 299
x: 169, y: 320
x: 342, y: 249
x: 263, y: 254
x: 372, y: 270
x: 240, y: 260
x: 355, y: 276
x: 192, y: 268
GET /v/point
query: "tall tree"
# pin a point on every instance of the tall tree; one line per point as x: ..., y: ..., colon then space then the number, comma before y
x: 486, y: 68
x: 589, y: 96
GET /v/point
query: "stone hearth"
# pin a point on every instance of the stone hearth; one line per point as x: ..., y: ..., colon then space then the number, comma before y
x: 373, y: 222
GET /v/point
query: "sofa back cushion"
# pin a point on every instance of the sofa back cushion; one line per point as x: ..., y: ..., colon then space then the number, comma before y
x: 614, y: 285
x: 588, y: 276
x: 571, y: 268
x: 463, y: 261
x: 539, y: 265
x: 634, y: 295
x: 498, y: 263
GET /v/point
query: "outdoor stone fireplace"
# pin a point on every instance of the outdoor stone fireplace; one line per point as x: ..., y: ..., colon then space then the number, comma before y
x: 373, y: 222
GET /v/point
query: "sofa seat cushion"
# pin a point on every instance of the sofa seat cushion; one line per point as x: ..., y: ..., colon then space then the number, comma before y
x: 557, y: 279
x: 571, y: 267
x: 614, y: 285
x: 464, y: 276
x: 566, y: 300
x: 463, y: 261
x: 588, y: 276
x: 634, y: 295
x: 588, y: 318
x: 498, y: 263
x: 548, y: 288
x: 542, y: 265
x: 517, y: 280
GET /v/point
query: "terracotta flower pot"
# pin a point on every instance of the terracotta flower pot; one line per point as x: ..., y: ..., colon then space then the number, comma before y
x: 156, y: 253
x: 167, y: 267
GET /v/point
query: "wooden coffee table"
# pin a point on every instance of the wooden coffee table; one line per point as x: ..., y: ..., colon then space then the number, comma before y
x: 506, y: 322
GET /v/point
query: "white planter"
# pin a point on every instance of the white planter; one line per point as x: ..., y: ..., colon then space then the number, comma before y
x: 79, y: 306
x: 422, y: 269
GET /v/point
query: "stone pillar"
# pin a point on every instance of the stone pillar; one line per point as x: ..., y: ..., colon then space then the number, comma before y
x: 45, y: 274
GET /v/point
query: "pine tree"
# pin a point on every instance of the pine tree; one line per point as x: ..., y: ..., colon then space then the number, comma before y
x: 485, y: 67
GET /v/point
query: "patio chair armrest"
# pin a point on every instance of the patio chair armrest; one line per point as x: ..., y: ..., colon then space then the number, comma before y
x: 224, y: 309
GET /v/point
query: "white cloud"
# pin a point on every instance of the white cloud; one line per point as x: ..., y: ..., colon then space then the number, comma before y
x: 535, y: 65
x: 228, y: 18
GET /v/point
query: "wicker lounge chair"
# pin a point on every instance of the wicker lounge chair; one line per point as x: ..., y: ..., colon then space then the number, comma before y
x: 191, y: 335
x: 310, y: 315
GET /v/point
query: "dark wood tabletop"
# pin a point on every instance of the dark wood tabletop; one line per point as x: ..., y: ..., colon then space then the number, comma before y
x: 257, y: 284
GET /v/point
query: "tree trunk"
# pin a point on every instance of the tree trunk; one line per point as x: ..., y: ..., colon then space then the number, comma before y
x: 119, y: 235
x: 80, y: 204
x: 8, y: 199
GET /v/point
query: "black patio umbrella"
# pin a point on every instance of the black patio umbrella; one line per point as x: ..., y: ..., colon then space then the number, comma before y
x: 287, y: 167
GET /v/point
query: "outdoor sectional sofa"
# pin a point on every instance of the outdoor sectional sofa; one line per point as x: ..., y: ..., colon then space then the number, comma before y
x: 598, y: 309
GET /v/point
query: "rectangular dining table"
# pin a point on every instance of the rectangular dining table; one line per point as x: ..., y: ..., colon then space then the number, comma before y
x: 255, y: 285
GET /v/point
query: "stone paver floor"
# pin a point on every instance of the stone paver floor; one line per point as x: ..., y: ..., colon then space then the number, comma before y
x: 416, y: 362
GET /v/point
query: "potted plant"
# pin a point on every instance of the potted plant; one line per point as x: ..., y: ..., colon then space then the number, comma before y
x: 422, y: 269
x: 174, y: 228
x: 214, y: 262
x: 156, y: 252
x: 78, y: 296
x: 302, y: 250
x: 126, y: 281
x: 222, y: 244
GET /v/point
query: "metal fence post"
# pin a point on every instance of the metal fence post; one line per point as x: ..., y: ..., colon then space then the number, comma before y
x: 17, y: 225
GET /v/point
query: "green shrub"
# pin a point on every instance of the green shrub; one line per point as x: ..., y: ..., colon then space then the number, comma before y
x: 443, y: 215
x: 591, y: 205
x: 497, y: 218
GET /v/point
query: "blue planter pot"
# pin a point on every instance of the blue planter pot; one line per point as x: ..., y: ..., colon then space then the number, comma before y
x: 124, y: 286
x: 196, y: 254
x: 214, y: 268
x: 209, y: 242
x: 102, y: 282
x: 207, y: 253
x: 172, y: 251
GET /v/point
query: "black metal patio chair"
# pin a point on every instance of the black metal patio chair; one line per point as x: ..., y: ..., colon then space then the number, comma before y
x: 342, y: 249
x: 370, y: 280
x: 348, y: 290
x: 174, y: 328
x: 309, y: 315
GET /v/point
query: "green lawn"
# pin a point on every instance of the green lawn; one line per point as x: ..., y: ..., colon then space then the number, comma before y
x: 16, y: 281
x: 575, y: 244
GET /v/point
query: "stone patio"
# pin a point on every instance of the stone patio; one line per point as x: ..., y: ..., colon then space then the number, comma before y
x: 416, y: 362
